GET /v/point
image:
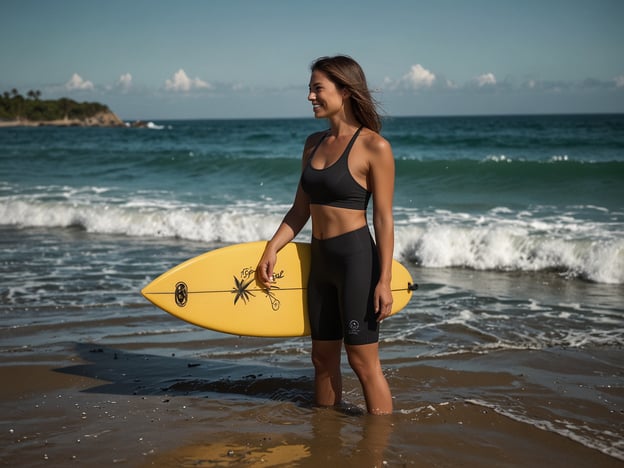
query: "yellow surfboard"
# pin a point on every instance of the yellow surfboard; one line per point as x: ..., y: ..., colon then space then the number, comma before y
x: 218, y: 290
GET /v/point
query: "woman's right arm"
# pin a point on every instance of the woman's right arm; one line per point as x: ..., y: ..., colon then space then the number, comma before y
x: 291, y: 225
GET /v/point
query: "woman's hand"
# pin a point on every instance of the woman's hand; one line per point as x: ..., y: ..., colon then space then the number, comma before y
x: 383, y: 301
x: 264, y: 270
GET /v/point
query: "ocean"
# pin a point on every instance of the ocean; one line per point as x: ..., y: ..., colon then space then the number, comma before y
x: 513, y: 226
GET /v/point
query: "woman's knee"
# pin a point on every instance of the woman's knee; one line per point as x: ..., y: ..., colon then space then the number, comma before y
x: 364, y: 360
x: 326, y: 355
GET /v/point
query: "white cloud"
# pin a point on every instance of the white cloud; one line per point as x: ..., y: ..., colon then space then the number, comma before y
x: 181, y: 82
x: 76, y: 82
x: 586, y: 84
x: 418, y: 77
x: 487, y: 79
x: 125, y: 81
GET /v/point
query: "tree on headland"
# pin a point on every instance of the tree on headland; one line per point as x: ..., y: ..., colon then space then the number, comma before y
x: 34, y: 94
x: 13, y: 107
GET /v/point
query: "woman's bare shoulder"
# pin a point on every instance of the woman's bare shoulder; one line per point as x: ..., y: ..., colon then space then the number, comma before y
x: 314, y: 138
x: 311, y: 141
x: 376, y: 144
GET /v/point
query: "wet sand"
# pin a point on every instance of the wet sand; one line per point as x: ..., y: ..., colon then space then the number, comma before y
x: 106, y: 406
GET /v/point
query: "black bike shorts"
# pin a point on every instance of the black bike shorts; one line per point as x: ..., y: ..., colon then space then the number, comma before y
x: 343, y: 275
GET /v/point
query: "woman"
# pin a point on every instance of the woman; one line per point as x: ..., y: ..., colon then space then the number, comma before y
x: 349, y: 288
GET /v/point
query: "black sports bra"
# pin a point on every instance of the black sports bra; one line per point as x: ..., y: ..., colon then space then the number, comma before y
x: 334, y: 185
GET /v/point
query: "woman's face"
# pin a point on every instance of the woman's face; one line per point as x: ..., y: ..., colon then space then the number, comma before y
x: 326, y: 98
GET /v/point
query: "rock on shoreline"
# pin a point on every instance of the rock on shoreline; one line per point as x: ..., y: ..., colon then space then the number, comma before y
x: 101, y: 119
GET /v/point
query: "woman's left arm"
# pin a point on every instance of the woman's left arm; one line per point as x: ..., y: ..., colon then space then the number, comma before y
x: 381, y: 176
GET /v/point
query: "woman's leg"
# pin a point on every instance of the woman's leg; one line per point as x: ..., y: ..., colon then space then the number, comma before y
x: 364, y: 360
x: 327, y: 376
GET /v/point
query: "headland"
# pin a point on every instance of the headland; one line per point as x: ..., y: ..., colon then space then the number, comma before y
x: 31, y: 111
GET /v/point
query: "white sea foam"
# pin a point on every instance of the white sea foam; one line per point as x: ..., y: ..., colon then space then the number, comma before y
x: 498, y: 158
x: 441, y: 239
x: 565, y: 246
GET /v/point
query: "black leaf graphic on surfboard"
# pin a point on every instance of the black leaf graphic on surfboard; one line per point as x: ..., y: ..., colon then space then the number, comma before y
x: 242, y: 291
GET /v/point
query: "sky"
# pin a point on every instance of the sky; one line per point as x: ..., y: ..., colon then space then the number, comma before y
x: 188, y: 59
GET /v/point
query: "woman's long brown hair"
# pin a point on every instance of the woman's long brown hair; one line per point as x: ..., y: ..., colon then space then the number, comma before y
x: 346, y: 73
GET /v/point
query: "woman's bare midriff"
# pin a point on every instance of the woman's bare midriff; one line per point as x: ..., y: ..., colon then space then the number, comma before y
x: 329, y: 221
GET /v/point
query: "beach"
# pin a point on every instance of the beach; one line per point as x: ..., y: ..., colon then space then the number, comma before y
x: 157, y: 402
x: 121, y: 383
x: 149, y: 410
x: 509, y: 354
x: 65, y: 415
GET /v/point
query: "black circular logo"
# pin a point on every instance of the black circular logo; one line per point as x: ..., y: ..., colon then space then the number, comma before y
x: 181, y: 294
